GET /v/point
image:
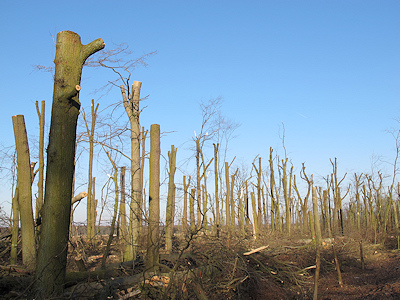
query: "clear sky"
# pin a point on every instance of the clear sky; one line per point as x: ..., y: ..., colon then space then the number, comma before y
x: 328, y: 70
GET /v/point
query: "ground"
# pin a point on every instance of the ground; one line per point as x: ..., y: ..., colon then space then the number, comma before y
x: 215, y: 268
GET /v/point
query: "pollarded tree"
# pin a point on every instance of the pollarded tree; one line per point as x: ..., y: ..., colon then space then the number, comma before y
x: 56, y: 211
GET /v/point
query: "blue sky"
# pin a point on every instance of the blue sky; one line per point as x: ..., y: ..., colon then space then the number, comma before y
x: 328, y: 70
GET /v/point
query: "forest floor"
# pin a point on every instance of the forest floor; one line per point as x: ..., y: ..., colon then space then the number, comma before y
x: 215, y: 268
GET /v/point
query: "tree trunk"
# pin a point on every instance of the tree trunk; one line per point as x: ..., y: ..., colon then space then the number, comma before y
x: 217, y: 216
x: 122, y: 217
x: 111, y: 235
x: 185, y: 204
x: 318, y: 241
x: 91, y: 201
x: 153, y: 236
x: 228, y: 198
x: 14, y: 229
x: 255, y: 221
x: 241, y: 217
x: 39, y: 201
x: 198, y: 183
x: 24, y: 183
x: 286, y: 194
x: 233, y: 217
x: 169, y: 223
x: 191, y: 211
x: 142, y: 195
x: 56, y: 211
x: 131, y: 104
x: 259, y: 199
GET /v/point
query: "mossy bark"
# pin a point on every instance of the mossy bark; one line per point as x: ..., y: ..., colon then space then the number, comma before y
x: 56, y: 211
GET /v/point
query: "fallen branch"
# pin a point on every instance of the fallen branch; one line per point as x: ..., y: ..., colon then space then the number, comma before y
x: 256, y: 250
x: 14, y: 269
x: 78, y: 197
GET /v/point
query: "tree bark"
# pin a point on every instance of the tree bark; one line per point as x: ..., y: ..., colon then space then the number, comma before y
x: 228, y: 198
x: 39, y: 201
x: 24, y: 183
x: 111, y: 235
x: 91, y: 202
x: 318, y: 241
x: 56, y: 211
x: 153, y: 236
x: 191, y: 211
x: 217, y: 216
x: 131, y: 104
x: 122, y: 218
x: 15, y: 228
x: 185, y: 204
x: 198, y: 183
x: 170, y: 212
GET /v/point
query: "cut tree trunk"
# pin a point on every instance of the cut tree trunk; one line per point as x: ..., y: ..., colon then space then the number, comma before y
x: 131, y: 104
x: 24, y: 183
x: 91, y: 201
x: 153, y: 236
x: 39, y: 201
x: 56, y: 211
x: 169, y: 223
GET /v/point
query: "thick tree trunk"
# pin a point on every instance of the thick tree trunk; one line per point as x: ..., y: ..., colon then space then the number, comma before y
x: 56, y: 211
x: 153, y: 236
x: 24, y: 183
